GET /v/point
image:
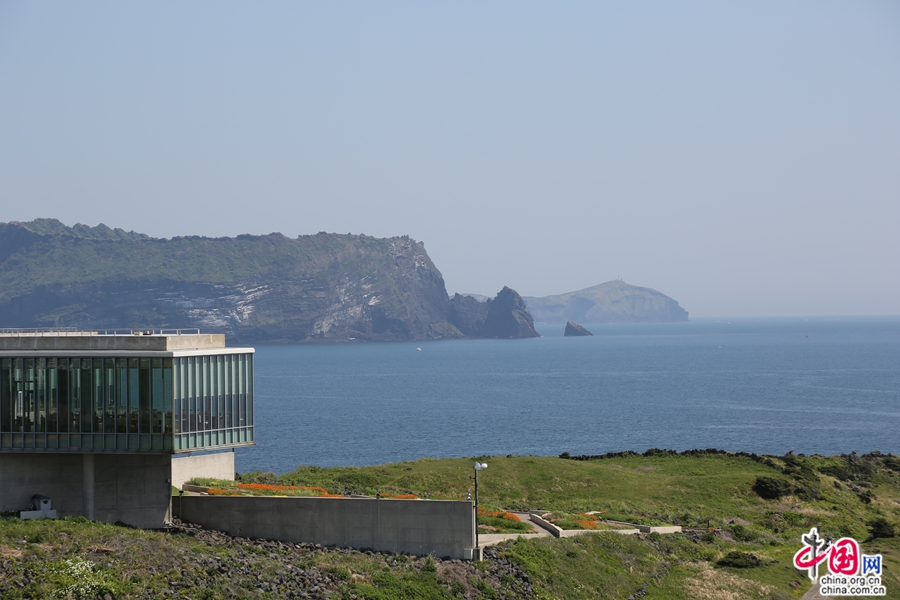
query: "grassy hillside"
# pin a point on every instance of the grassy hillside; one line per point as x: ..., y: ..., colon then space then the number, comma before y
x: 711, y: 492
x: 715, y: 495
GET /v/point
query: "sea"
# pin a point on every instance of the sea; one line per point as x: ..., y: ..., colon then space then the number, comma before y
x: 765, y: 385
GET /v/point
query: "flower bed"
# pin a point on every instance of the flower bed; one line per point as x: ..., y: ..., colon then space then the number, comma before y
x: 231, y: 488
x: 500, y: 521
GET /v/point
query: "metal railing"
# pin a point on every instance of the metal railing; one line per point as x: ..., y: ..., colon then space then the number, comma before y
x: 74, y: 331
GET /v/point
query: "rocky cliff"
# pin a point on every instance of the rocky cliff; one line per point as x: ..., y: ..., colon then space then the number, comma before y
x: 324, y: 287
x: 610, y: 302
x: 505, y: 316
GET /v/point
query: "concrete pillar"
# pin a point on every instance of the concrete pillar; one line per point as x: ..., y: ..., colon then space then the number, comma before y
x: 88, y: 472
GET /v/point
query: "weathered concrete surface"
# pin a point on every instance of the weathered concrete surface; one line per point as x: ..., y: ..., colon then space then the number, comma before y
x: 219, y: 465
x: 84, y: 341
x: 659, y: 528
x: 547, y: 525
x: 444, y: 528
x: 132, y: 488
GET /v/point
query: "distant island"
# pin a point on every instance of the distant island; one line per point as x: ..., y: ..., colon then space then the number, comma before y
x: 610, y: 302
x: 254, y: 288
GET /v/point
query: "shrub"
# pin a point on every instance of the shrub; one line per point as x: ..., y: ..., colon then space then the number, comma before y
x: 739, y: 560
x: 771, y: 488
x: 881, y: 528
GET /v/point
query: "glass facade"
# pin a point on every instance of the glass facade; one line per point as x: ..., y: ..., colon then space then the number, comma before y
x: 146, y: 403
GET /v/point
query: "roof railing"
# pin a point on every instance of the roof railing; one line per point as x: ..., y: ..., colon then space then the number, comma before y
x: 74, y: 331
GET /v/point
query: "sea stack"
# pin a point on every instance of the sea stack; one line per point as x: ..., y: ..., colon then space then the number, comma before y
x: 504, y: 317
x: 574, y: 329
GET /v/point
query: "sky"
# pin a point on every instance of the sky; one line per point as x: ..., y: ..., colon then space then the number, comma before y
x: 742, y: 158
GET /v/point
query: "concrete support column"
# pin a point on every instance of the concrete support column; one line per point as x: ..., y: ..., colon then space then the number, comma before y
x: 88, y: 473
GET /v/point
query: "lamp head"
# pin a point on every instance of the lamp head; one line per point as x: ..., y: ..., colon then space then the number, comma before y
x: 479, y: 466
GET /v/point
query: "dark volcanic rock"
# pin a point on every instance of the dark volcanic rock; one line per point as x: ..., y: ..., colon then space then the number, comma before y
x: 505, y: 316
x: 468, y: 314
x: 574, y: 329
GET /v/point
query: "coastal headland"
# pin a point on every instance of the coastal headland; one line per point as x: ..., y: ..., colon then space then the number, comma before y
x: 270, y: 288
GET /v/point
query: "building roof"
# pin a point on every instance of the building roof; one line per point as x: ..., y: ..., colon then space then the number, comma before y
x: 121, y: 340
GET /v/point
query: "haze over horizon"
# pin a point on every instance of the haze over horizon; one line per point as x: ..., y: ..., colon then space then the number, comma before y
x: 742, y: 159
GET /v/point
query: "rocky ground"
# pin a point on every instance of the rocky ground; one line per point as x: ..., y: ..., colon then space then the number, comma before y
x: 81, y: 559
x: 298, y: 573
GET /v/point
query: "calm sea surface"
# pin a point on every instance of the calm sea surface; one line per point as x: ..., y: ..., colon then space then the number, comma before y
x: 819, y: 385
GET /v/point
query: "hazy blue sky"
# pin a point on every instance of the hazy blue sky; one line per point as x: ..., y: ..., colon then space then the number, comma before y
x: 743, y: 158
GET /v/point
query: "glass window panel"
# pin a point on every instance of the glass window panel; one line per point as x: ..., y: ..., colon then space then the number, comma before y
x: 176, y: 403
x: 121, y: 396
x: 220, y: 364
x: 40, y: 395
x: 185, y: 414
x: 6, y: 395
x: 214, y: 412
x: 144, y: 400
x: 52, y: 396
x: 157, y: 391
x: 74, y: 399
x: 28, y: 397
x: 134, y: 394
x: 98, y: 396
x: 213, y: 377
x: 204, y: 375
x: 109, y: 395
x: 249, y: 393
x: 192, y: 376
x: 62, y: 374
x: 18, y: 407
x: 242, y: 363
x: 167, y: 390
x: 84, y: 399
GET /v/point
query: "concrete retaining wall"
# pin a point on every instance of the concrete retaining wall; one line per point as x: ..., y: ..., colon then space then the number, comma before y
x: 443, y: 528
x: 659, y: 529
x: 544, y: 523
x: 219, y: 465
x: 132, y: 488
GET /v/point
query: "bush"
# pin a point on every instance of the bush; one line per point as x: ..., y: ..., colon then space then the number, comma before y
x: 771, y: 488
x: 881, y: 528
x: 739, y: 560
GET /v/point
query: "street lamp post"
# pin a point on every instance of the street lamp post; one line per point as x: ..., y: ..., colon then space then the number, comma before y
x: 478, y: 467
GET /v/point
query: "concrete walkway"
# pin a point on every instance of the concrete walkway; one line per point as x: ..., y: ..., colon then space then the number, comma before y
x: 489, y: 539
x: 813, y: 594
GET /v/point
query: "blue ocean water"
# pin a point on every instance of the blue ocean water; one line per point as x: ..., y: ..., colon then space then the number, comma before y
x: 812, y: 385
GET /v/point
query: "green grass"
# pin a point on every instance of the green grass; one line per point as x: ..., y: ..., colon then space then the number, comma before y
x: 714, y: 494
x: 699, y: 490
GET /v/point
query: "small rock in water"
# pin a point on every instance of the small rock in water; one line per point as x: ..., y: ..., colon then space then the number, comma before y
x: 574, y: 329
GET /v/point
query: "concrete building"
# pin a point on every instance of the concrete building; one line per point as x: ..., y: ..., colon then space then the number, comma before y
x: 95, y: 420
